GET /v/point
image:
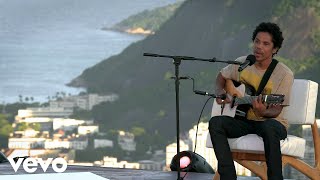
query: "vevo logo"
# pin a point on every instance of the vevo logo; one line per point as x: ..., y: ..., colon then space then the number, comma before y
x: 30, y: 164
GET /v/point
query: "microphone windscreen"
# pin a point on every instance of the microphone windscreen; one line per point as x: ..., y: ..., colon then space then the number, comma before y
x: 251, y: 58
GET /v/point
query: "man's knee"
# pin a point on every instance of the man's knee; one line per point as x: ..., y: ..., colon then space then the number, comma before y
x: 272, y: 127
x: 216, y: 123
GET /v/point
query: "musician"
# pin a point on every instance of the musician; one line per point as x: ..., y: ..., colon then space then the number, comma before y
x: 266, y: 121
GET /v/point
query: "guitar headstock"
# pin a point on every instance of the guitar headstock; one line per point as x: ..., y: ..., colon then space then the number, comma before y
x: 273, y: 98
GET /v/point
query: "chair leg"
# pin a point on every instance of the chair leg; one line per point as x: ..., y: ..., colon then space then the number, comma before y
x: 259, y: 170
x: 311, y: 172
x: 216, y: 176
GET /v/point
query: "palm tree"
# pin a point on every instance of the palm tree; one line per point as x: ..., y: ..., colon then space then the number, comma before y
x: 20, y: 98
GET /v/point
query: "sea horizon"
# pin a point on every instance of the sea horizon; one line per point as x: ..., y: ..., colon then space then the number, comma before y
x: 45, y: 43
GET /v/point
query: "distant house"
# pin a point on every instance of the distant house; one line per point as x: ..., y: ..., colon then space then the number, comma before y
x: 84, y: 130
x: 100, y: 143
x: 29, y: 133
x: 26, y: 143
x: 126, y: 141
x: 47, y: 112
x: 68, y: 124
x: 150, y: 165
x: 85, y: 102
x: 113, y: 162
x: 57, y: 144
x: 79, y: 143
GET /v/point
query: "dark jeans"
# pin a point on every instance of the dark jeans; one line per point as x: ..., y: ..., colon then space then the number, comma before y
x: 271, y: 131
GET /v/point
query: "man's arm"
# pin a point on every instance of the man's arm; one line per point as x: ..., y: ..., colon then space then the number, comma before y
x: 220, y: 83
x: 219, y: 90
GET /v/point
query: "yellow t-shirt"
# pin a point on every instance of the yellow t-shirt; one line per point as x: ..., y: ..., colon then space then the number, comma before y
x: 280, y: 82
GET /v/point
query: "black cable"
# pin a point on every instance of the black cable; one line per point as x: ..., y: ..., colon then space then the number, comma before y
x: 195, y: 144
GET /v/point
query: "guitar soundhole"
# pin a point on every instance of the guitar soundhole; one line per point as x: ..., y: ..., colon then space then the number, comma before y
x: 242, y: 110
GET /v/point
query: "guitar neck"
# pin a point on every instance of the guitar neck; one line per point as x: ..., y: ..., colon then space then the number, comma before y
x: 247, y: 99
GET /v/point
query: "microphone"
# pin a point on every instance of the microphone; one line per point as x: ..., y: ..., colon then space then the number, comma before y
x: 251, y: 59
x: 222, y: 96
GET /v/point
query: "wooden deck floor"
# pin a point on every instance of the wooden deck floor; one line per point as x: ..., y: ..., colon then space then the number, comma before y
x: 120, y: 174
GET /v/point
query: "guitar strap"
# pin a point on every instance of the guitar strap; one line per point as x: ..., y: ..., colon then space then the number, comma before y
x: 266, y: 76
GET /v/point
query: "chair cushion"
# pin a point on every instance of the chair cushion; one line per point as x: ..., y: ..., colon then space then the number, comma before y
x: 292, y: 145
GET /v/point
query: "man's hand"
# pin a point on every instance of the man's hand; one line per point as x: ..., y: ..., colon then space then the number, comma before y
x: 261, y: 110
x: 222, y: 101
x: 258, y: 107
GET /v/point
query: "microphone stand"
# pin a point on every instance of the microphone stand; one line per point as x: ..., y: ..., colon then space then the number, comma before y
x: 177, y: 61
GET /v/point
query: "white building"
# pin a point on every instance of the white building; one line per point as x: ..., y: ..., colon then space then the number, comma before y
x: 79, y: 143
x: 171, y: 151
x: 113, y: 162
x: 68, y: 124
x: 95, y: 99
x: 43, y: 112
x: 100, y: 143
x: 65, y: 103
x: 150, y: 165
x: 85, y: 102
x: 49, y: 124
x: 126, y: 141
x: 109, y: 161
x: 57, y: 144
x: 84, y: 130
x: 26, y: 143
x: 29, y: 133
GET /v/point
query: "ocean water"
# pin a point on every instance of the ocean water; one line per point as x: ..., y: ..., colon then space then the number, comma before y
x: 44, y: 44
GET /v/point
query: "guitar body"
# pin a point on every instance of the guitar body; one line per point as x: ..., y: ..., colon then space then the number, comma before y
x: 228, y: 109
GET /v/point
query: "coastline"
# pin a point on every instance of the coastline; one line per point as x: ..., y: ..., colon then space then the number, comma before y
x: 135, y: 30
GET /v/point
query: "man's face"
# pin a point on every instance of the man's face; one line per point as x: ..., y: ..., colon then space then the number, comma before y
x: 263, y: 47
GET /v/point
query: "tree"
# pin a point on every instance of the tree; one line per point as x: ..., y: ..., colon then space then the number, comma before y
x: 5, y: 126
x: 35, y: 126
x: 22, y: 126
x: 138, y: 131
x: 5, y: 130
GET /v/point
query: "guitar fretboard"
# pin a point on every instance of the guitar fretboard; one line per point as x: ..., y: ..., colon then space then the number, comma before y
x: 244, y: 100
x: 269, y: 99
x: 247, y: 99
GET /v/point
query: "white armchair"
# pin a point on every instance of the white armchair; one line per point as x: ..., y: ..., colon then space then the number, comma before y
x: 246, y: 150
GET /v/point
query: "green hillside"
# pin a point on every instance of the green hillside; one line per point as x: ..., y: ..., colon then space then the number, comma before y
x: 206, y: 29
x: 148, y: 19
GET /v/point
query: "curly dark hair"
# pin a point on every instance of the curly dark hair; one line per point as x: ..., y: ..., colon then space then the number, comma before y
x: 271, y: 28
